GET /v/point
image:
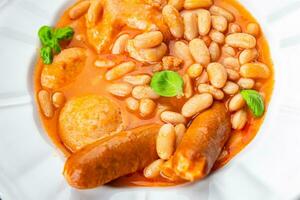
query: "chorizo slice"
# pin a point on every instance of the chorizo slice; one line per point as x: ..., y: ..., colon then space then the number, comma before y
x: 202, y: 143
x: 112, y: 157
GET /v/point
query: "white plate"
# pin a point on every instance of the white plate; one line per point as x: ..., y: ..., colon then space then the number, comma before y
x: 30, y: 168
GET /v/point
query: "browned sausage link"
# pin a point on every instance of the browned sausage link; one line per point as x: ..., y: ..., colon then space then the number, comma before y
x: 112, y: 157
x: 168, y: 173
x: 202, y: 143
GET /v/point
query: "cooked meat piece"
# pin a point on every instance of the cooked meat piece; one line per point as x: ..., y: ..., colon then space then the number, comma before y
x: 106, y: 17
x: 85, y: 119
x: 65, y: 68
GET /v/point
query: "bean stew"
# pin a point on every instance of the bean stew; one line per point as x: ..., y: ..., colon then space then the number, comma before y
x: 151, y: 92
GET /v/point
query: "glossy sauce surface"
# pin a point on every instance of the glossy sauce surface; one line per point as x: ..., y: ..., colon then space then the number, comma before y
x: 91, y: 81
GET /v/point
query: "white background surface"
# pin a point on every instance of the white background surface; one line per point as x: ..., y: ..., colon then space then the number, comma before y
x: 30, y: 168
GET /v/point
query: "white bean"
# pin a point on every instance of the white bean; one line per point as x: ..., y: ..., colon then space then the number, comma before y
x: 193, y: 4
x: 147, y: 107
x: 154, y: 54
x: 216, y: 10
x: 231, y: 88
x: 194, y: 70
x: 120, y: 70
x: 217, y: 74
x: 165, y: 141
x: 214, y: 51
x: 153, y: 170
x: 140, y: 92
x: 148, y: 40
x: 134, y: 52
x: 45, y: 103
x: 233, y: 75
x: 199, y: 51
x: 236, y: 102
x: 179, y: 131
x: 206, y: 88
x: 239, y: 120
x: 248, y: 55
x: 232, y: 63
x: 253, y: 29
x: 234, y: 28
x: 148, y: 55
x: 58, y: 99
x: 178, y: 4
x: 120, y: 44
x: 197, y: 104
x: 204, y: 22
x: 190, y: 25
x: 172, y: 117
x: 182, y: 51
x: 174, y: 21
x: 120, y: 89
x: 241, y: 40
x: 156, y: 3
x: 104, y: 63
x: 203, y: 78
x: 246, y: 83
x: 217, y: 36
x: 255, y: 70
x: 132, y: 104
x: 142, y: 79
x: 228, y: 51
x: 219, y: 23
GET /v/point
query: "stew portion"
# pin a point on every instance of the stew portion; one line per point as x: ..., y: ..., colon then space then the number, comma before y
x: 150, y: 92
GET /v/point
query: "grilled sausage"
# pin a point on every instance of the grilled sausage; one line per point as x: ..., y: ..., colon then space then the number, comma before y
x: 107, y: 159
x: 202, y: 143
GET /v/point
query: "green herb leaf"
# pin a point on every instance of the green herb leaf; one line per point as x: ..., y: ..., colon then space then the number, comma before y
x: 46, y: 55
x: 45, y: 35
x: 167, y: 83
x: 65, y: 33
x: 254, y: 101
x: 50, y: 41
x: 55, y: 45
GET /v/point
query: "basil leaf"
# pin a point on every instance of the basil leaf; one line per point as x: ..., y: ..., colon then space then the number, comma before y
x: 254, y: 101
x: 167, y: 83
x: 45, y: 35
x: 46, y: 55
x: 65, y: 33
x: 55, y: 45
x: 50, y: 41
